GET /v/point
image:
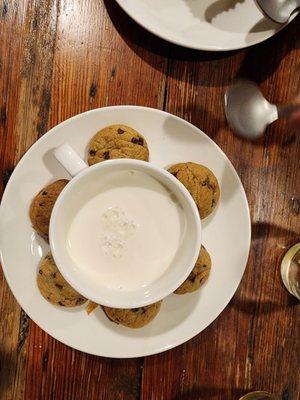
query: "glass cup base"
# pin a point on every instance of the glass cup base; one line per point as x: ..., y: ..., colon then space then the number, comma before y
x: 290, y: 270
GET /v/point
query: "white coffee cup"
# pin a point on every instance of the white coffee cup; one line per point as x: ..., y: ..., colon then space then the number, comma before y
x: 81, y: 189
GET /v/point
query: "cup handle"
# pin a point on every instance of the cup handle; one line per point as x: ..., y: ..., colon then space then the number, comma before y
x: 69, y: 159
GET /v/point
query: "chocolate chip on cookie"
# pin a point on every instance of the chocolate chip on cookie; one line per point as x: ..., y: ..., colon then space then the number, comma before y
x: 54, y: 287
x: 117, y: 141
x: 106, y: 155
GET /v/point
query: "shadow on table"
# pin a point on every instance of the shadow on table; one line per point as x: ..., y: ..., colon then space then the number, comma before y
x: 277, y: 133
x: 262, y: 60
x: 261, y: 307
x: 7, y: 364
x: 139, y: 39
x: 205, y: 392
x: 264, y: 229
x: 259, y: 61
x: 210, y: 121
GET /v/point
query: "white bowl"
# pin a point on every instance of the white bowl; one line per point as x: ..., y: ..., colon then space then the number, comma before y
x: 82, y: 188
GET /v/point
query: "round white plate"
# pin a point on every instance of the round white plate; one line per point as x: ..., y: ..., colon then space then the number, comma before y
x: 226, y: 234
x: 214, y: 25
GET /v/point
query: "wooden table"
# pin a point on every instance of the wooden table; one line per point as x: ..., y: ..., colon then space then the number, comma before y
x: 63, y: 57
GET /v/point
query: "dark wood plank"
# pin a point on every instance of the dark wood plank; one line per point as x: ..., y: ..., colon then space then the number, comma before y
x: 27, y: 65
x: 252, y: 345
x: 94, y: 66
x: 12, y: 349
x: 55, y: 371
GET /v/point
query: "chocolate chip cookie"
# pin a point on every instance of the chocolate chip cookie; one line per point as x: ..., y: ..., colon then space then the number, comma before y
x: 201, y: 183
x: 42, y: 205
x: 198, y: 275
x: 117, y: 141
x: 54, y: 287
x: 133, y: 317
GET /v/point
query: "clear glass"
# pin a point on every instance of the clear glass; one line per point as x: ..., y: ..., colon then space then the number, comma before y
x: 290, y: 270
x: 258, y: 396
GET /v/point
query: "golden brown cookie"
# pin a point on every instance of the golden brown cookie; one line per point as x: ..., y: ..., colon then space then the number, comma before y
x: 198, y: 275
x: 117, y: 141
x: 42, y: 205
x: 133, y: 317
x: 201, y: 183
x: 54, y: 287
x: 91, y: 307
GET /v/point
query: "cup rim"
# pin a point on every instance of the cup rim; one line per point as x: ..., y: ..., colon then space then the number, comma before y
x: 140, y: 165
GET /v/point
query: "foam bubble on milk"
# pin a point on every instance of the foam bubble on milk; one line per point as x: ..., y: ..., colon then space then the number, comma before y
x: 118, y: 229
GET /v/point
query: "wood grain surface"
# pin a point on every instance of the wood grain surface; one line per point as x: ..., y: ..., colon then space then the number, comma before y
x: 62, y: 57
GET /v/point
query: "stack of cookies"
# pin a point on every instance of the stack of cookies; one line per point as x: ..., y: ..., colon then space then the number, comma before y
x: 120, y: 141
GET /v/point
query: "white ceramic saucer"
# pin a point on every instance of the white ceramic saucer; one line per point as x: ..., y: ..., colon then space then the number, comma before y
x: 215, y: 25
x: 226, y: 235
